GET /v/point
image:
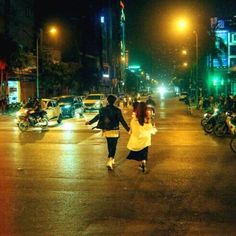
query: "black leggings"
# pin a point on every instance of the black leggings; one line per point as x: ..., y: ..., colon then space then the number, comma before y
x: 111, y: 146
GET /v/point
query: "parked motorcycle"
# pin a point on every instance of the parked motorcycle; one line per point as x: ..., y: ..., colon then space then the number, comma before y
x: 232, y: 143
x: 28, y: 118
x: 212, y: 121
x: 205, y: 118
x: 228, y: 125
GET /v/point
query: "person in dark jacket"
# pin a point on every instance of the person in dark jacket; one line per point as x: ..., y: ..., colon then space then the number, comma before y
x: 113, y: 116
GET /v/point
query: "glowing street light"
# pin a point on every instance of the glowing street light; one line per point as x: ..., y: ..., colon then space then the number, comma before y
x: 184, y: 52
x: 182, y: 24
x: 53, y: 30
x: 185, y: 64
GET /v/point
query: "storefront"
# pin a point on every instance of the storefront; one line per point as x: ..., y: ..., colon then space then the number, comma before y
x: 14, y: 91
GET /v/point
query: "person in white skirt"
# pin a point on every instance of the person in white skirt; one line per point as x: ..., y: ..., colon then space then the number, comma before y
x: 141, y: 129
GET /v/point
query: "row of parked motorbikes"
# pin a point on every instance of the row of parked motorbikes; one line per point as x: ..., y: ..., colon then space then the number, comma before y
x: 221, y: 123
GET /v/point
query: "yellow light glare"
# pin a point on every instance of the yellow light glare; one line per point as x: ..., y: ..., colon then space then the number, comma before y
x: 53, y: 30
x: 182, y: 24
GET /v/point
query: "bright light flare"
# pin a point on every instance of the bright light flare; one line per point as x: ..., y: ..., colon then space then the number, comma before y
x: 53, y: 30
x: 68, y: 126
x: 182, y: 24
x: 185, y: 64
x: 162, y: 91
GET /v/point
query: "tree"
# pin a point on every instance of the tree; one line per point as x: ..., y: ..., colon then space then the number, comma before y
x: 60, y: 78
x: 7, y: 48
x: 12, y: 53
x: 131, y: 82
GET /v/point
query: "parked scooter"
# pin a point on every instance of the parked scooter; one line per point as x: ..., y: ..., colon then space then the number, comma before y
x: 28, y: 118
x: 205, y: 118
x: 212, y: 121
x: 228, y: 125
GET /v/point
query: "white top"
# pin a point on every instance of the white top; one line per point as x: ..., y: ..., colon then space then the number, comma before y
x: 140, y: 135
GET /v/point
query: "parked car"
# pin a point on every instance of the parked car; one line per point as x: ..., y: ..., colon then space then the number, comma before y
x: 94, y: 102
x: 70, y: 104
x: 52, y: 108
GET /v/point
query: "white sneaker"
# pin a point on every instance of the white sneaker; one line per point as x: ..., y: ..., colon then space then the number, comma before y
x: 113, y: 161
x: 143, y: 166
x: 109, y: 164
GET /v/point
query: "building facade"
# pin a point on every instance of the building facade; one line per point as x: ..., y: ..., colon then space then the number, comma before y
x: 114, y: 54
x: 17, y: 24
x: 221, y: 66
x: 97, y: 44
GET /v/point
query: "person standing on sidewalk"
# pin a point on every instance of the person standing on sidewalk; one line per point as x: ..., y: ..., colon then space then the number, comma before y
x: 108, y: 119
x: 141, y: 129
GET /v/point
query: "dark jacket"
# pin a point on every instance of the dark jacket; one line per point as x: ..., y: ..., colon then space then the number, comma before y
x: 115, y: 117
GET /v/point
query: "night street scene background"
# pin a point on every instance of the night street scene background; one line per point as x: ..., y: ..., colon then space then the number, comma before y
x: 67, y: 57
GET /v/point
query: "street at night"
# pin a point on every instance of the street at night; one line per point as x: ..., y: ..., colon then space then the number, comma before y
x: 55, y: 182
x: 117, y: 118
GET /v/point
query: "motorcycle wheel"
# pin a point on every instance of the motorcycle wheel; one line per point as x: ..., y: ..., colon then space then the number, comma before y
x: 204, y: 122
x: 44, y: 123
x: 220, y: 129
x: 23, y: 125
x: 208, y: 128
x: 233, y: 144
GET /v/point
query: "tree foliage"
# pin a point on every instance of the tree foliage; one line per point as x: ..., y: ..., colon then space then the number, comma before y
x: 12, y: 53
x: 131, y: 82
x: 59, y: 78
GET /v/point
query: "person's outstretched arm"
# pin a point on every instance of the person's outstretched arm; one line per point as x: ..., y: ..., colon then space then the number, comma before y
x: 123, y: 122
x: 95, y: 118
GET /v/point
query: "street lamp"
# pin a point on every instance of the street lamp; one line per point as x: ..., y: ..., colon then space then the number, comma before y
x: 196, y: 54
x: 52, y: 31
x: 182, y: 25
x: 37, y: 63
x: 184, y: 52
x: 185, y: 64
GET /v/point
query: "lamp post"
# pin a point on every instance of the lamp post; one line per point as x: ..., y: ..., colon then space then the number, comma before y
x: 182, y: 25
x: 196, y: 58
x: 37, y: 67
x: 38, y: 41
x: 52, y: 31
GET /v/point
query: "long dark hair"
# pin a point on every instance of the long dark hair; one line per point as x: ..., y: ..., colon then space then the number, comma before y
x: 141, y: 112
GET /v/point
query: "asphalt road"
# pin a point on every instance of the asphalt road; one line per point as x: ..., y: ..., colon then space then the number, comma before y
x: 56, y: 182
